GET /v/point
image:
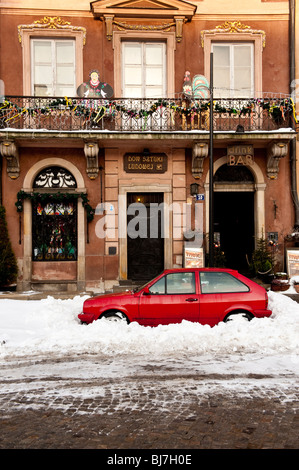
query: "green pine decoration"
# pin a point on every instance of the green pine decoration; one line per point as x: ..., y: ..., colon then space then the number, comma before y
x: 261, y: 262
x: 94, y: 111
x: 8, y: 262
x: 55, y: 197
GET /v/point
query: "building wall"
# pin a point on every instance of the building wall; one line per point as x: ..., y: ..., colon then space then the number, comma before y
x: 99, y: 269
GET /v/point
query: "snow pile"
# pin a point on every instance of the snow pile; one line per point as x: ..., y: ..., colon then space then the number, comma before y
x: 51, y: 326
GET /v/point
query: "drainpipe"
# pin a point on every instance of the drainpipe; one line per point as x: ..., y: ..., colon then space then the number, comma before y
x: 1, y: 179
x: 293, y: 142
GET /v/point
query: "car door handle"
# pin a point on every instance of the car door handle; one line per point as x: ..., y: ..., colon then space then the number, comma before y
x: 191, y: 300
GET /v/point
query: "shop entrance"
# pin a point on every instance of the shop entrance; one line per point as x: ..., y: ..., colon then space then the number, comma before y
x: 234, y: 227
x: 145, y: 241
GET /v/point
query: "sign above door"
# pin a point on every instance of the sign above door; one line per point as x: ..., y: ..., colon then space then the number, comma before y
x: 145, y: 162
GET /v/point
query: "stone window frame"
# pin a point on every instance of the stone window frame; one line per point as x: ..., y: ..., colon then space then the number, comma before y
x: 50, y: 28
x: 235, y: 32
x: 28, y: 187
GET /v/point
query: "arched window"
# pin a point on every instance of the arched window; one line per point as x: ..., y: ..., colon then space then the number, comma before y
x: 54, y: 177
x: 54, y: 216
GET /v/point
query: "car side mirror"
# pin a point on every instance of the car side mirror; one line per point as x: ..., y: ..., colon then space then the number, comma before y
x: 146, y: 291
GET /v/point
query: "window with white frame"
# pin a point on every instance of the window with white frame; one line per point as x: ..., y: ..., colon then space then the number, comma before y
x: 143, y: 69
x: 233, y: 70
x: 53, y: 67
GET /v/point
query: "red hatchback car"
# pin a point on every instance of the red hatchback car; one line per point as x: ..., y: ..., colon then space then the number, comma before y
x: 203, y: 295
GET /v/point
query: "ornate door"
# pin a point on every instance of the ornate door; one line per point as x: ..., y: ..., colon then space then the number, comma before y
x: 145, y: 240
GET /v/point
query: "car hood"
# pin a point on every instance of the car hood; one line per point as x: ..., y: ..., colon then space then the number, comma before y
x: 113, y: 295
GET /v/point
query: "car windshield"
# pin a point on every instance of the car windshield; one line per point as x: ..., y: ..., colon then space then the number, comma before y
x: 139, y: 288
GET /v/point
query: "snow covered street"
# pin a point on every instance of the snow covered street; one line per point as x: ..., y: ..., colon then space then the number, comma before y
x: 51, y: 327
x: 47, y: 331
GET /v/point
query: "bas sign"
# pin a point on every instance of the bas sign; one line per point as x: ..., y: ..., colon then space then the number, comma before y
x: 145, y: 162
x: 239, y: 155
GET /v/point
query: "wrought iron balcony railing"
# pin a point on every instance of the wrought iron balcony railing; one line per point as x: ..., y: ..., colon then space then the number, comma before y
x: 144, y: 115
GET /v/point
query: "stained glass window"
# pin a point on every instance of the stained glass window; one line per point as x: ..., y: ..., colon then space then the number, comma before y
x: 54, y: 231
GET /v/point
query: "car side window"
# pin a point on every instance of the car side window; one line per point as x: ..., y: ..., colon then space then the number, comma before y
x: 180, y: 283
x: 219, y: 282
x: 175, y: 283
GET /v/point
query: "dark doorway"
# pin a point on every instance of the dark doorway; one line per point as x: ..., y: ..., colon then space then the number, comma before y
x: 234, y: 222
x: 145, y: 242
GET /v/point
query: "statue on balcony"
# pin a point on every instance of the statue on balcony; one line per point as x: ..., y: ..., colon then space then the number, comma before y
x: 197, y: 88
x: 94, y: 88
x: 187, y: 85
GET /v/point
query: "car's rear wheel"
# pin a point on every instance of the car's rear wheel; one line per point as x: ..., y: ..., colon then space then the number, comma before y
x: 115, y: 317
x: 238, y: 317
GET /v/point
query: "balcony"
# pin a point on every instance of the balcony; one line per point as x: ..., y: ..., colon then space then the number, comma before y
x: 145, y: 115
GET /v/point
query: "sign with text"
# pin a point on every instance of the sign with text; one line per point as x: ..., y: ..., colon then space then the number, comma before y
x: 145, y: 162
x: 240, y: 155
x: 193, y: 257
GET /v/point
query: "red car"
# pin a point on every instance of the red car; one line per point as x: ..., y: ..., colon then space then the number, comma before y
x: 204, y: 295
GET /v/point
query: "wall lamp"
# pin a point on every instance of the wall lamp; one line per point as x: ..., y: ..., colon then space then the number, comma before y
x: 194, y: 189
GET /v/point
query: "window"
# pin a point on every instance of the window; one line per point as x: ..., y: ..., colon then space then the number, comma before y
x: 175, y: 283
x: 54, y: 233
x: 233, y: 70
x: 144, y: 69
x: 54, y: 177
x: 158, y: 287
x: 219, y: 282
x: 53, y: 67
x: 54, y: 217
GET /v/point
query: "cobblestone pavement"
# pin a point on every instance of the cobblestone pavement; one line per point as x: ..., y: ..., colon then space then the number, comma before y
x: 149, y: 410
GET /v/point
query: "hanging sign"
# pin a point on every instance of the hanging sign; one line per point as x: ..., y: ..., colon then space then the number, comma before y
x: 145, y: 162
x: 240, y: 155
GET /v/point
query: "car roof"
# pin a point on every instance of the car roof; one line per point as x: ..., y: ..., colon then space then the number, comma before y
x: 173, y: 270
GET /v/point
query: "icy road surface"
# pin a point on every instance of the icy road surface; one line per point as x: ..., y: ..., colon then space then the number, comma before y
x: 45, y: 351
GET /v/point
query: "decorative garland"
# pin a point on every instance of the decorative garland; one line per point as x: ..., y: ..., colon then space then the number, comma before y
x: 55, y: 197
x: 94, y: 110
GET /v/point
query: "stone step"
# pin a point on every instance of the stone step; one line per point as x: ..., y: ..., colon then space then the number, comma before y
x: 54, y: 286
x: 127, y: 284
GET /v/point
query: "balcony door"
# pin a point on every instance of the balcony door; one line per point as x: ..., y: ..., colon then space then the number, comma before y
x: 143, y: 69
x: 53, y: 67
x: 144, y: 76
x: 233, y: 70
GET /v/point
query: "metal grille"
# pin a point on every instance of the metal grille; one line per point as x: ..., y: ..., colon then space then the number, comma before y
x: 142, y: 115
x: 54, y: 177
